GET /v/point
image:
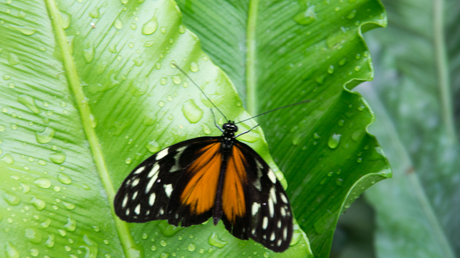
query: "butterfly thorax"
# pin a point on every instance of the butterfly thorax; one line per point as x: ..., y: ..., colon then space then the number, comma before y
x: 228, y: 137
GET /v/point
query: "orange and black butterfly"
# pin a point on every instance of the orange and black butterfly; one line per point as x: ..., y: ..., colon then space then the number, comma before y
x: 210, y: 177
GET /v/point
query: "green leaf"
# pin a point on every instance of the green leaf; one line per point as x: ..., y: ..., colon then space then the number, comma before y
x: 296, y: 51
x: 414, y: 100
x: 88, y: 91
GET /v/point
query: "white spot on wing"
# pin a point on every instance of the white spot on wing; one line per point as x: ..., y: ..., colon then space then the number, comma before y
x: 270, y: 207
x: 257, y: 185
x: 137, y: 210
x: 135, y: 182
x: 149, y: 186
x: 272, y: 237
x: 284, y: 198
x: 168, y: 189
x: 273, y: 194
x: 285, y: 233
x: 125, y: 201
x: 162, y: 154
x: 162, y: 211
x: 139, y: 170
x: 255, y: 208
x: 272, y: 176
x: 134, y: 195
x: 152, y: 199
x: 265, y: 223
x: 154, y: 171
x: 279, y: 223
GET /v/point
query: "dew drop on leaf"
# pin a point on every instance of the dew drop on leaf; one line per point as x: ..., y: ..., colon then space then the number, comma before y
x: 191, y: 111
x: 334, y: 141
x: 45, y: 136
x: 43, y: 182
x: 151, y: 26
x: 215, y: 241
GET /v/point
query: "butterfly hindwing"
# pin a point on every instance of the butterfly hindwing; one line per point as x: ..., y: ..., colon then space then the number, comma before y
x: 146, y: 193
x: 268, y: 216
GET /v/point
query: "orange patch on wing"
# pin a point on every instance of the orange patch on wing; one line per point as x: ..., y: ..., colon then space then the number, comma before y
x: 233, y: 200
x: 200, y: 192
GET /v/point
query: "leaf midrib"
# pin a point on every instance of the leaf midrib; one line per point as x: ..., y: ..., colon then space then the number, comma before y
x: 442, y: 68
x: 251, y: 79
x: 124, y: 233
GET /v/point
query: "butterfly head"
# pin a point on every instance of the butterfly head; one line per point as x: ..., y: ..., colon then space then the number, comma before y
x: 230, y: 128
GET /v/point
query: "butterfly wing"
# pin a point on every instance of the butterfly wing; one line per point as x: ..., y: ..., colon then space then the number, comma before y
x: 147, y: 192
x: 254, y: 202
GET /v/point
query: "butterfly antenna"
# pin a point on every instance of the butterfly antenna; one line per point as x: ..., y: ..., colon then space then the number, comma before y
x: 290, y: 105
x: 202, y: 91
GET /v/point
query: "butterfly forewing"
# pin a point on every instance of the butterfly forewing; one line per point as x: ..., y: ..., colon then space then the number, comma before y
x: 268, y: 216
x: 146, y: 193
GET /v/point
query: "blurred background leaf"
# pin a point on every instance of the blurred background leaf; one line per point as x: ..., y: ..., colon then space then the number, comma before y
x: 415, y: 99
x: 88, y: 91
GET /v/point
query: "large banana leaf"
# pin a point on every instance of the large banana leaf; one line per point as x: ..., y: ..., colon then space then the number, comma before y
x: 88, y: 91
x: 415, y: 96
x: 302, y: 50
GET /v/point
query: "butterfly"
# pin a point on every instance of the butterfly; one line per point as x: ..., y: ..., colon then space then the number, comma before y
x: 216, y: 177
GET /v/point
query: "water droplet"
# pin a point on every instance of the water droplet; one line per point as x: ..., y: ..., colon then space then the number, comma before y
x: 13, y: 59
x: 320, y: 78
x: 163, y: 243
x: 358, y: 68
x: 33, y: 235
x: 11, y: 198
x: 191, y: 247
x: 306, y: 16
x: 26, y: 30
x: 62, y: 232
x: 95, y: 13
x: 206, y: 129
x: 153, y: 146
x: 330, y: 69
x: 93, y: 121
x: 337, y: 39
x: 29, y: 102
x: 167, y: 229
x: 8, y: 159
x: 39, y: 204
x: 339, y: 181
x: 50, y: 241
x: 351, y: 15
x: 176, y: 79
x: 334, y: 141
x: 65, y: 19
x: 342, y: 61
x: 163, y: 81
x: 191, y: 111
x: 215, y: 241
x: 57, y: 158
x: 43, y: 182
x: 45, y: 136
x: 88, y: 52
x: 128, y: 160
x: 69, y: 206
x: 194, y: 67
x: 64, y: 178
x: 118, y: 24
x: 11, y: 251
x: 25, y: 188
x: 150, y: 27
x: 341, y: 122
x: 71, y: 224
x: 361, y: 108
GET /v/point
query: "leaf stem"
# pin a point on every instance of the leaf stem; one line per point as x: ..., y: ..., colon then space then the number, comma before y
x: 442, y: 67
x: 85, y: 112
x: 251, y: 79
